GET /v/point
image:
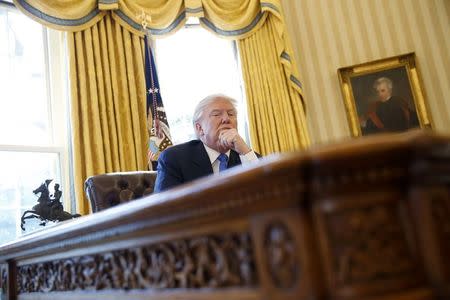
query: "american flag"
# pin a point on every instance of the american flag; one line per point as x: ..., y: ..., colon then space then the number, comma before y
x: 159, y: 133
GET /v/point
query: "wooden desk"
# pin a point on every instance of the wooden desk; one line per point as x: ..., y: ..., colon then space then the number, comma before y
x: 364, y: 219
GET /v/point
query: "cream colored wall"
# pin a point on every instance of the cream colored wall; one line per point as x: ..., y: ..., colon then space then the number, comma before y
x: 330, y: 34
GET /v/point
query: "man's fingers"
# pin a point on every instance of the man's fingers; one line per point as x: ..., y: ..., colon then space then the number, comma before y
x: 227, y: 140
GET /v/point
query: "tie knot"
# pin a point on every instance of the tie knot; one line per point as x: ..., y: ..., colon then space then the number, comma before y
x: 223, y: 161
x: 222, y: 157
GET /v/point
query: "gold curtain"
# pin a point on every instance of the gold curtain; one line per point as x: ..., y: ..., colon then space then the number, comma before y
x: 164, y: 16
x: 107, y: 69
x: 108, y: 102
x: 275, y: 110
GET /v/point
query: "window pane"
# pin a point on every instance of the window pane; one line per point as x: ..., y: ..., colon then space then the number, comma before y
x: 30, y: 58
x: 22, y: 172
x: 192, y: 64
x: 8, y: 226
x: 23, y: 100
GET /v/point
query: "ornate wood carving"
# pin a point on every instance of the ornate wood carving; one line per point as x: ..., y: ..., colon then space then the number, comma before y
x: 440, y: 209
x: 282, y: 259
x: 208, y: 261
x: 368, y: 244
x: 3, y: 279
x: 328, y: 179
x: 284, y: 187
x: 350, y: 202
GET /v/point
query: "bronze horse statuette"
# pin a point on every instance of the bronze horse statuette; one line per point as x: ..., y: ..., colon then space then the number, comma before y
x: 49, y: 207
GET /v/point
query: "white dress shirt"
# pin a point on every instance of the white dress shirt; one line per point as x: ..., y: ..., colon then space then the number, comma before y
x: 213, y: 155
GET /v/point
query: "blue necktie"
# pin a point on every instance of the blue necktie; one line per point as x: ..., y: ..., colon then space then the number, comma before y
x: 223, y: 162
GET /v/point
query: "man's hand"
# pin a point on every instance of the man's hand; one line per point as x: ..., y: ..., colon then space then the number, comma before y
x: 230, y: 139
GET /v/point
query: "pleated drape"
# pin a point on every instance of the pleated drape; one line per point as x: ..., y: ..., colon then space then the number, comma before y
x: 107, y: 73
x: 276, y: 115
x: 108, y: 108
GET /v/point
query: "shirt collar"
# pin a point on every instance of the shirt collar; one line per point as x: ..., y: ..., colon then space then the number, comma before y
x: 213, y: 154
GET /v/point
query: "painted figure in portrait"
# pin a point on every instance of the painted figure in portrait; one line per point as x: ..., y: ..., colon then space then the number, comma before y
x: 384, y: 102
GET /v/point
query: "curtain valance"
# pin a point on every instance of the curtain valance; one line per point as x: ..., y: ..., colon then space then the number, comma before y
x: 67, y: 15
x: 230, y: 18
x: 234, y: 19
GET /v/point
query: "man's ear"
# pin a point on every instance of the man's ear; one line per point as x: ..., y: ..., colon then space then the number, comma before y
x: 199, y: 129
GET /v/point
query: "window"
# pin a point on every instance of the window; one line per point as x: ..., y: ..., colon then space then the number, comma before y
x: 192, y: 64
x: 33, y: 116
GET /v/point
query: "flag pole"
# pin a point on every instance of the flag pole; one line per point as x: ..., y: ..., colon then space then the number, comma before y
x: 145, y: 19
x: 159, y: 133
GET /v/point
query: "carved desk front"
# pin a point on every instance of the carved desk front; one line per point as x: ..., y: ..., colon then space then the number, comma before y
x: 367, y: 219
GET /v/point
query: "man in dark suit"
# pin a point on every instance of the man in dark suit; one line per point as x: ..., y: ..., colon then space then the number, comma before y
x: 219, y: 145
x: 389, y: 113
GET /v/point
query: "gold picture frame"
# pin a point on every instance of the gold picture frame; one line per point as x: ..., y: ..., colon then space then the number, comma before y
x: 385, y: 95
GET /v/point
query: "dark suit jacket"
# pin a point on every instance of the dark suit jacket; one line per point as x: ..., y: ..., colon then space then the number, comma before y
x: 186, y: 162
x: 393, y: 115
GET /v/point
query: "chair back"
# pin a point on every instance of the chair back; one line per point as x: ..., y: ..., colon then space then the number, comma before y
x: 108, y: 190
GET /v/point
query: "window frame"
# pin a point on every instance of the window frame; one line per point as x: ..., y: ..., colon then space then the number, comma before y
x: 57, y: 100
x: 243, y: 119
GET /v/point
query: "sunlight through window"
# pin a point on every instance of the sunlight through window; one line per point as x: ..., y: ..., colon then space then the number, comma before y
x: 192, y: 64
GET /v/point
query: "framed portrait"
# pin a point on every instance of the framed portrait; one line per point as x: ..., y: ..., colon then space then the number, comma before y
x: 385, y: 95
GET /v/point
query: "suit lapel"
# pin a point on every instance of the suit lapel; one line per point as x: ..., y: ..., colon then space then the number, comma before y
x: 201, y: 165
x: 200, y: 160
x: 234, y: 159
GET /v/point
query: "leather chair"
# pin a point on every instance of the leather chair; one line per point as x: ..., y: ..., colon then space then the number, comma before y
x: 111, y: 189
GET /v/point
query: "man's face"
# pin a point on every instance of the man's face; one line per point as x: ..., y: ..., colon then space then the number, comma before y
x: 383, y: 92
x: 218, y: 115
